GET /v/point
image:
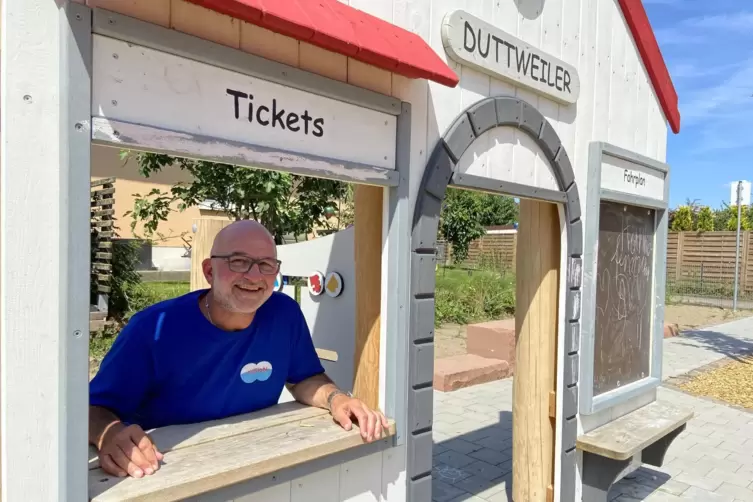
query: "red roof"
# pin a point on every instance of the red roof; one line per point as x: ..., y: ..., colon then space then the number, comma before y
x: 337, y: 27
x: 340, y: 28
x: 637, y: 21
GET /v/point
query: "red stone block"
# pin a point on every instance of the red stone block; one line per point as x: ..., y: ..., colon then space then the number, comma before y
x: 493, y: 340
x: 457, y: 372
x: 671, y: 330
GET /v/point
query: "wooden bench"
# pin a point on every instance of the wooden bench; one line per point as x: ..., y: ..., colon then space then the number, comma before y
x: 608, y: 450
x: 202, y: 458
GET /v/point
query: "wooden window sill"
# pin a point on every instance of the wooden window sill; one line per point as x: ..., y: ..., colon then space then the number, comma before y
x: 200, y: 458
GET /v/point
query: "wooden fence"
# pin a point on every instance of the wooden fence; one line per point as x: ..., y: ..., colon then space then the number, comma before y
x: 708, y: 256
x: 492, y: 250
x: 102, y: 212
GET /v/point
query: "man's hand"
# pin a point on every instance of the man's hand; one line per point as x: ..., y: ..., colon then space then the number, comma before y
x: 128, y: 451
x: 372, y: 423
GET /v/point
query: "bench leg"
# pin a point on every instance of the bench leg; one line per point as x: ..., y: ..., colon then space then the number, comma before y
x: 599, y: 474
x: 654, y: 454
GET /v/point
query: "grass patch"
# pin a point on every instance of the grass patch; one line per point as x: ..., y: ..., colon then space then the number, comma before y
x: 468, y: 296
x: 149, y: 293
x: 140, y: 297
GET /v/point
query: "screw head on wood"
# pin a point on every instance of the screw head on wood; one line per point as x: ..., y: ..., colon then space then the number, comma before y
x: 79, y: 126
x: 77, y: 333
x: 27, y: 98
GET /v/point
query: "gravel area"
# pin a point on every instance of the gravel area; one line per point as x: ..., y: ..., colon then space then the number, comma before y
x: 729, y: 380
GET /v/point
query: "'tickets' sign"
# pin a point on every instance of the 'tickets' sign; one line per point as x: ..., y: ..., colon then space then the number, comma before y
x: 143, y: 86
x: 476, y: 43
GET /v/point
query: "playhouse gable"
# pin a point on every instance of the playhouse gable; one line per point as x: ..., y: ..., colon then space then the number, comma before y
x: 648, y: 48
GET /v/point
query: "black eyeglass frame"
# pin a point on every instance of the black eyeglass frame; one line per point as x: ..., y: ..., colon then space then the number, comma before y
x: 254, y: 261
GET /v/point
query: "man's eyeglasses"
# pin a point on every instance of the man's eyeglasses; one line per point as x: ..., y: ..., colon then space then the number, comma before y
x: 242, y: 264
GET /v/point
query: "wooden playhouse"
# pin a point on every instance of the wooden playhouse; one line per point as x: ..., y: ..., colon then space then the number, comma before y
x: 565, y: 104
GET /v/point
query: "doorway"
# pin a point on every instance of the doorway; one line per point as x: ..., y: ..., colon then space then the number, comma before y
x: 548, y: 282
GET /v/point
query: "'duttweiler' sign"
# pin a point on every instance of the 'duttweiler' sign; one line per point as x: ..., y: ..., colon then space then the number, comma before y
x: 476, y: 43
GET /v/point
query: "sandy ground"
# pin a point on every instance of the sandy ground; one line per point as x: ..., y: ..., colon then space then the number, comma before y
x: 690, y: 317
x: 450, y: 338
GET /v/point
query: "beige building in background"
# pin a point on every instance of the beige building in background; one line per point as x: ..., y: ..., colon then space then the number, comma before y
x: 169, y: 251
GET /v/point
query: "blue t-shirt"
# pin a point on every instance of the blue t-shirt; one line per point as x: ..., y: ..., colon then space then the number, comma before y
x: 170, y: 365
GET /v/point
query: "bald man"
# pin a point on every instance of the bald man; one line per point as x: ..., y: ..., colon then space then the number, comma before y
x: 211, y: 354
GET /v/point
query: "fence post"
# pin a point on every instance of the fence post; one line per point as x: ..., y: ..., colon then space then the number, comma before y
x: 744, y: 261
x: 678, y: 260
x: 737, y: 245
x: 701, y: 277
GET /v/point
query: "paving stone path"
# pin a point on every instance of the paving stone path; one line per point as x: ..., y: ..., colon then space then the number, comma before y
x: 711, y: 461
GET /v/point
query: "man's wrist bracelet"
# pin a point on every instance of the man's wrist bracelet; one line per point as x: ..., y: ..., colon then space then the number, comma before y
x: 332, y: 395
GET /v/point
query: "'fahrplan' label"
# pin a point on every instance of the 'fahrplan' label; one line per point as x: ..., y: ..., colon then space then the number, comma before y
x: 636, y: 179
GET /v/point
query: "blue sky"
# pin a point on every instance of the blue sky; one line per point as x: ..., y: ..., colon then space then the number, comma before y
x: 708, y: 47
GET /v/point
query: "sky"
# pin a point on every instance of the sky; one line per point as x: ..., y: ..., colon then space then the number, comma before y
x: 708, y: 48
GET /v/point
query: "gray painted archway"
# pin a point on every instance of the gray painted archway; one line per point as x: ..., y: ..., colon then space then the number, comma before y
x: 441, y: 171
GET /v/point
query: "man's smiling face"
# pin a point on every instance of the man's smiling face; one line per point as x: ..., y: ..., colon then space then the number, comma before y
x: 239, y: 245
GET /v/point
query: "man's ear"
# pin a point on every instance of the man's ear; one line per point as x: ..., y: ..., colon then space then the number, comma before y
x: 206, y: 267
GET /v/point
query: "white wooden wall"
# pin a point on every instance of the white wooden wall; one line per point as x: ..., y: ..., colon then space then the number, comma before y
x: 616, y: 104
x: 332, y: 321
x: 379, y: 477
x: 507, y: 155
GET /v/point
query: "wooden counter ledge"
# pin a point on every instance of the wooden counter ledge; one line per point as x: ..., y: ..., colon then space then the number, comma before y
x: 200, y: 458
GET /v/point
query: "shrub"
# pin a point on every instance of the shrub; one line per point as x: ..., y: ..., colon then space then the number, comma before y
x: 705, y: 221
x: 125, y: 257
x: 464, y: 297
x: 683, y: 219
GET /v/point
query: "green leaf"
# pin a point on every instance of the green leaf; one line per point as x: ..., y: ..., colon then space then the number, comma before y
x: 283, y: 202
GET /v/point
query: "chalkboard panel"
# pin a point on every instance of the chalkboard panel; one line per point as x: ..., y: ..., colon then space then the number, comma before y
x: 624, y: 298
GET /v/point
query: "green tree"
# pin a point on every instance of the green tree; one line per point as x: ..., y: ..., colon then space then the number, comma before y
x: 496, y: 209
x: 683, y: 219
x: 721, y: 216
x: 705, y: 221
x: 459, y: 223
x: 466, y: 213
x: 284, y: 203
x: 732, y: 220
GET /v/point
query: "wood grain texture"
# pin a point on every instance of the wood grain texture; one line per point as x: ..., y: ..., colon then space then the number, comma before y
x: 206, y: 230
x: 368, y: 258
x: 208, y: 466
x: 204, y: 23
x: 268, y: 44
x: 323, y: 62
x: 369, y: 77
x: 176, y: 437
x: 537, y: 289
x: 152, y: 11
x: 626, y: 436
